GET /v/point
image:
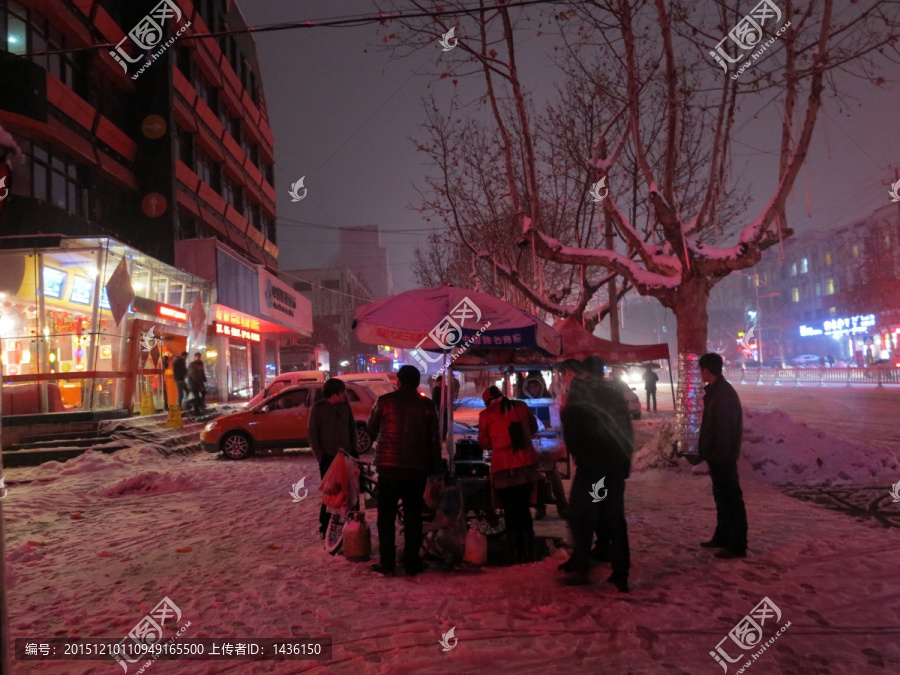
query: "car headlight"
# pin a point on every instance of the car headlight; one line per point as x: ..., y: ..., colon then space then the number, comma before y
x: 212, y: 426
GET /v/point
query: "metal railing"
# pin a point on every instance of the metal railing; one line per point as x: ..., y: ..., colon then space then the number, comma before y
x: 877, y: 375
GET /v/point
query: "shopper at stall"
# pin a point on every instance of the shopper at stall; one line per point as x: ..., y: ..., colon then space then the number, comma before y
x: 598, y: 435
x: 197, y: 383
x: 505, y: 427
x: 331, y: 428
x: 408, y: 451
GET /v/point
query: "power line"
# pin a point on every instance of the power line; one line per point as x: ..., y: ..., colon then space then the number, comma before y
x: 337, y: 22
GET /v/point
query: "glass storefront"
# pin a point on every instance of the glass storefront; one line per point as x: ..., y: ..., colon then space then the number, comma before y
x: 62, y: 350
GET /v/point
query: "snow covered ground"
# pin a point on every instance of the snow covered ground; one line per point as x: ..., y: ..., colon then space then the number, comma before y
x: 94, y: 544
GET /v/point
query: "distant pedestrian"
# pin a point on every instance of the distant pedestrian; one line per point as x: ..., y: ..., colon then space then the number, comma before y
x: 179, y: 374
x: 506, y: 427
x: 650, y: 380
x: 197, y: 383
x: 408, y: 452
x: 597, y: 432
x: 721, y: 429
x: 331, y: 428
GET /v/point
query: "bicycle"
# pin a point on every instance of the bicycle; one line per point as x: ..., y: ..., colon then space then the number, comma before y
x: 368, y: 485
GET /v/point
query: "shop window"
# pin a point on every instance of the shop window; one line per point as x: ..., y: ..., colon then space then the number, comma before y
x: 795, y: 294
x: 829, y: 287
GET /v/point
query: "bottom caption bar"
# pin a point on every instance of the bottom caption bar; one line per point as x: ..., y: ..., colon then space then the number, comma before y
x: 196, y: 649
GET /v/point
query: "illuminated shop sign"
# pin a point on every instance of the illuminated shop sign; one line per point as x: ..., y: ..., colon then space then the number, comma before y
x: 233, y: 318
x: 842, y: 326
x: 236, y: 332
x: 147, y: 306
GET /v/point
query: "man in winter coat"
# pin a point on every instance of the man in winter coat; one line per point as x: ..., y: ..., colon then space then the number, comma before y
x: 598, y: 434
x: 197, y: 383
x: 720, y: 444
x: 650, y: 380
x: 179, y: 373
x: 405, y: 425
x: 514, y: 470
x: 331, y: 428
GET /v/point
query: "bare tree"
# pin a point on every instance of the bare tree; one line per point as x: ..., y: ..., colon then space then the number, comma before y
x: 670, y: 113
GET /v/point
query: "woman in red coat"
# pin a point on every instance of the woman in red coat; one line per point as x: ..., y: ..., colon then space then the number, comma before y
x: 505, y: 427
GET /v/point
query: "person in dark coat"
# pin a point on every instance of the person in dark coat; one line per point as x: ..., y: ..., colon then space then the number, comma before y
x: 331, y: 428
x: 179, y: 373
x: 514, y: 466
x: 650, y: 380
x: 197, y: 383
x: 408, y: 452
x: 719, y: 446
x: 597, y: 431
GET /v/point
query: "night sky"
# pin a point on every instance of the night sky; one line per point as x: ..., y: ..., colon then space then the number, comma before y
x: 342, y: 111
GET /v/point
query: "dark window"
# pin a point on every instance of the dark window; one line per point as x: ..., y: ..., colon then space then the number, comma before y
x: 302, y: 286
x: 255, y: 216
x: 58, y: 180
x: 208, y: 171
x: 334, y: 284
x: 270, y: 174
x: 183, y: 60
x: 185, y: 141
x: 232, y: 193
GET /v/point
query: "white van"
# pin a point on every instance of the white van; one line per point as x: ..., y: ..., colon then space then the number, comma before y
x: 288, y: 380
x: 368, y: 377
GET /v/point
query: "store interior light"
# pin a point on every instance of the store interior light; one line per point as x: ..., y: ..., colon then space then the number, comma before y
x: 46, y: 332
x: 211, y: 354
x: 344, y: 364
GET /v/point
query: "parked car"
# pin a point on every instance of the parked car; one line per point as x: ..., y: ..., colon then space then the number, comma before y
x: 368, y: 377
x: 806, y: 361
x: 286, y: 380
x: 634, y: 403
x: 281, y: 421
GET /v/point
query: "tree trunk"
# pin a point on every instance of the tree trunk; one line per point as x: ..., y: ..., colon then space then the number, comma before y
x: 691, y: 316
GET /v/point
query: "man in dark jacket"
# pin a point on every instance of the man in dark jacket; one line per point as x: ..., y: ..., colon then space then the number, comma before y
x: 598, y: 435
x: 408, y: 451
x: 179, y: 373
x: 719, y: 445
x: 197, y: 383
x: 331, y: 428
x: 650, y: 380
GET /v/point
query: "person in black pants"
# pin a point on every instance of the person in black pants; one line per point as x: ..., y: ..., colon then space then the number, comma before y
x: 331, y: 429
x: 408, y: 451
x: 650, y: 380
x: 599, y: 438
x: 719, y: 445
x: 506, y: 428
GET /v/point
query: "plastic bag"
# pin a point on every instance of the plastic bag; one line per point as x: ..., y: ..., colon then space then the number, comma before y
x: 476, y: 548
x: 340, y: 486
x: 433, y: 491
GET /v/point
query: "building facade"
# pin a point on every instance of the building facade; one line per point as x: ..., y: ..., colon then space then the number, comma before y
x: 832, y: 293
x: 335, y: 293
x: 158, y: 140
